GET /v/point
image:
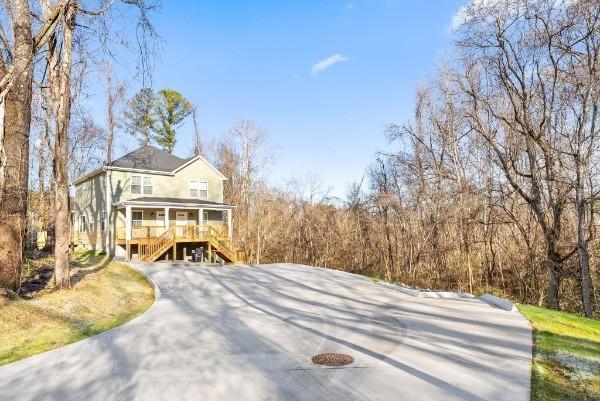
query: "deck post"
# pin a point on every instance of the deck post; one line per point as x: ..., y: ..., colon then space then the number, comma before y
x: 128, y: 231
x: 200, y: 217
x: 229, y: 223
x: 107, y: 213
x: 128, y: 222
x: 166, y: 217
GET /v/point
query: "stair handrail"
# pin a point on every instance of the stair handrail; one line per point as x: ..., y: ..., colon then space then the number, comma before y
x: 149, y: 249
x: 226, y: 244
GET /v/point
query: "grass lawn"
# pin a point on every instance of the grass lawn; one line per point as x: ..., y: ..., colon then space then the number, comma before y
x: 105, y: 294
x: 566, y: 363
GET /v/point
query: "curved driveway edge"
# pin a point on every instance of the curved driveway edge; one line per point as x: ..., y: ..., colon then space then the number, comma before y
x: 249, y: 332
x: 138, y: 268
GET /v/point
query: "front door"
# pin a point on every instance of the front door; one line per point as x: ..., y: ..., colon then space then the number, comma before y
x: 160, y: 218
x: 181, y: 218
x: 181, y: 222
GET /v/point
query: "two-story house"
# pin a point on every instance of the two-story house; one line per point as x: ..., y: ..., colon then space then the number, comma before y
x: 153, y: 205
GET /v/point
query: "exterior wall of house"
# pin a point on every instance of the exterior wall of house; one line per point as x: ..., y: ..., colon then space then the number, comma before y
x: 168, y: 186
x: 90, y: 203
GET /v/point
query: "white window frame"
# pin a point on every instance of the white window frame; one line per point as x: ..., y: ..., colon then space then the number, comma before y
x: 135, y: 220
x: 140, y: 185
x: 200, y: 190
x: 102, y: 220
x: 144, y: 185
x: 82, y: 224
x: 205, y: 218
x: 195, y: 185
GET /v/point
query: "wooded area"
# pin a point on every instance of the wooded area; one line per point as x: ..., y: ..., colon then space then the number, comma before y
x: 492, y: 186
x: 47, y: 49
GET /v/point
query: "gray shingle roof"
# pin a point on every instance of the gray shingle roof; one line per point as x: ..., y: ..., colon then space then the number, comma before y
x: 150, y: 158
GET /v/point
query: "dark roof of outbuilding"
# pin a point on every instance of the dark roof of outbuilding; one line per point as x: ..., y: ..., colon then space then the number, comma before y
x: 150, y: 158
x: 151, y: 199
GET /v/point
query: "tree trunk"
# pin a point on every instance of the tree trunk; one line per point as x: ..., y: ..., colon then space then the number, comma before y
x: 110, y: 112
x: 61, y: 154
x: 258, y: 244
x: 587, y: 291
x: 197, y: 146
x: 15, y: 148
x: 554, y: 279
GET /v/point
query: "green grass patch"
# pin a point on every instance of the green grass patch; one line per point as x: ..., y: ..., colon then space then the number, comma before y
x: 566, y: 362
x: 105, y: 294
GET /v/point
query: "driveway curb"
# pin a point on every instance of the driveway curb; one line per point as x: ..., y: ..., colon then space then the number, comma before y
x: 426, y: 294
x: 491, y: 300
x: 138, y: 268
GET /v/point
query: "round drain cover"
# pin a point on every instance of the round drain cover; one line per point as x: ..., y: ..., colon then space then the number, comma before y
x: 332, y: 359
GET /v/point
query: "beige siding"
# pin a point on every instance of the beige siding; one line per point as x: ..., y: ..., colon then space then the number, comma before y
x: 168, y: 186
x: 90, y: 202
x: 90, y: 199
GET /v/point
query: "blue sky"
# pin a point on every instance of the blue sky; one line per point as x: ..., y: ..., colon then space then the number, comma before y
x: 256, y: 60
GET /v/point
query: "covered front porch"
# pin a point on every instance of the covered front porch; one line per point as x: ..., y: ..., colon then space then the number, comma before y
x: 140, y: 220
x: 172, y: 229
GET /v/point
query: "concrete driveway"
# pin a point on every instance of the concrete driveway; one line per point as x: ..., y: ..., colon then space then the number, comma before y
x: 248, y: 333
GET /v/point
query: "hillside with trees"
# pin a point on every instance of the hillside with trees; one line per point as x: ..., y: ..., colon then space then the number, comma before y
x: 491, y: 187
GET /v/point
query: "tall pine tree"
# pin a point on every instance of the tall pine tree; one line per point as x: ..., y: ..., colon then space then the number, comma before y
x: 171, y: 110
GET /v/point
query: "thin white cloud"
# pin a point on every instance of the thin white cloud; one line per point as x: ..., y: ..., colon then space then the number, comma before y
x: 327, y: 63
x: 459, y: 18
x: 462, y: 15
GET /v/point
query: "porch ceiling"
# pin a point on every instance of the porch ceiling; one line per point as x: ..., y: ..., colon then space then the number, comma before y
x: 158, y: 202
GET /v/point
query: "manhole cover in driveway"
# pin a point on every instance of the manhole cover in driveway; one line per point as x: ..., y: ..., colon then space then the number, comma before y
x: 332, y: 359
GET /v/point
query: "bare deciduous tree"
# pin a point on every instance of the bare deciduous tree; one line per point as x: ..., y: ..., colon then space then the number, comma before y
x: 15, y: 101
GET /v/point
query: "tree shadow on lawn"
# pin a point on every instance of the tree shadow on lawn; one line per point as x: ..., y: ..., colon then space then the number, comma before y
x: 88, y: 268
x: 565, y: 367
x: 82, y: 264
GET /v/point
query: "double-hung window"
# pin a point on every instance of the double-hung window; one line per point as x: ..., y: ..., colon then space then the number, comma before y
x: 136, y: 184
x: 147, y: 185
x: 141, y: 184
x: 198, y: 189
x: 203, y: 189
x: 193, y: 189
x: 82, y: 224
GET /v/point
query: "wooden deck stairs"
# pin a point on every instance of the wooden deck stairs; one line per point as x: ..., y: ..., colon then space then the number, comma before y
x: 152, y: 248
